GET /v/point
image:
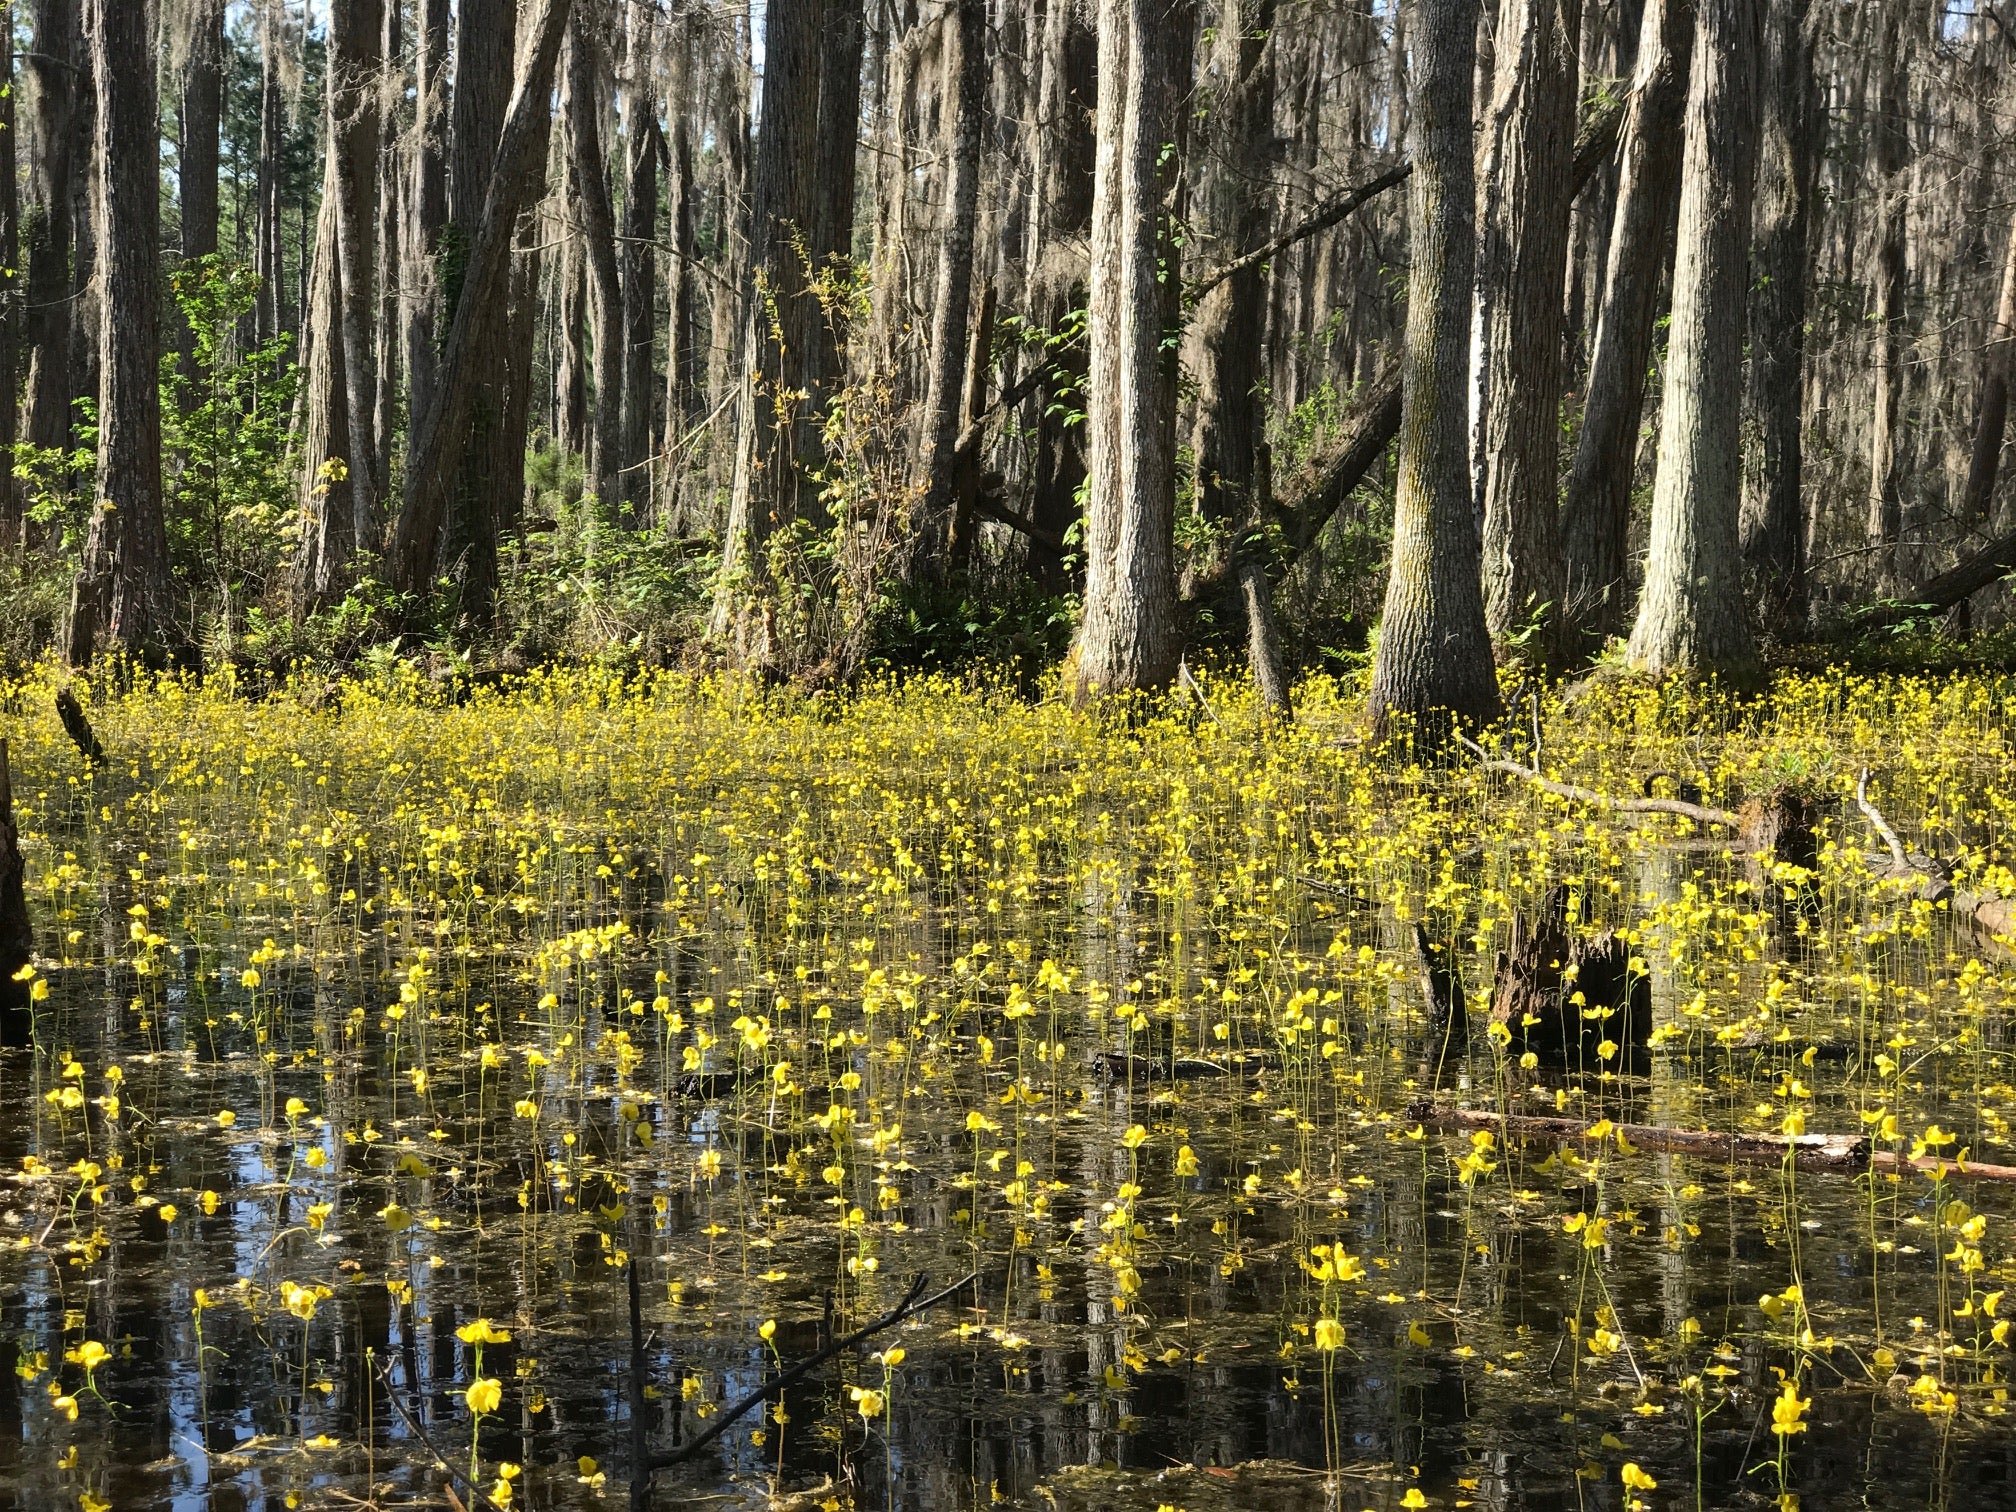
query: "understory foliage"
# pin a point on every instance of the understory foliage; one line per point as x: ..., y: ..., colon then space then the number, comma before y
x: 385, y: 1021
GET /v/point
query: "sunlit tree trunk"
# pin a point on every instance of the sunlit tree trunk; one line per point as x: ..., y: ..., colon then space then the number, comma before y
x: 1596, y: 515
x: 122, y: 595
x: 1129, y: 638
x: 52, y: 68
x: 598, y: 246
x: 1523, y: 250
x: 1434, y: 669
x: 644, y: 144
x: 1691, y: 615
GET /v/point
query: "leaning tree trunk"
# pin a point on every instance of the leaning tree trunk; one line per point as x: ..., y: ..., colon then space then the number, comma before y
x: 46, y: 224
x: 644, y: 145
x: 1596, y: 517
x: 1774, y: 519
x: 1691, y: 615
x: 1998, y: 367
x: 121, y: 597
x: 1523, y: 249
x: 962, y: 91
x: 1129, y: 638
x: 774, y: 444
x: 1228, y: 330
x: 481, y: 329
x: 1434, y: 669
x: 598, y: 244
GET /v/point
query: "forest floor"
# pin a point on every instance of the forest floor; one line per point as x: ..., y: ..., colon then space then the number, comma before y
x: 376, y: 1032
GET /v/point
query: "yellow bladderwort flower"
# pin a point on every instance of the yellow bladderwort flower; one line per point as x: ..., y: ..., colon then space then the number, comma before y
x: 1329, y: 1334
x: 482, y: 1331
x: 484, y: 1395
x: 1789, y: 1411
x: 226, y: 1119
x: 1135, y: 1137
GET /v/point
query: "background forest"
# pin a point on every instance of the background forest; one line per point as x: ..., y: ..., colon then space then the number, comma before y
x: 825, y: 334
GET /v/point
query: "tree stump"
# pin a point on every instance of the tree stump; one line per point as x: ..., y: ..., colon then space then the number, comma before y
x: 1549, y: 962
x: 17, y: 935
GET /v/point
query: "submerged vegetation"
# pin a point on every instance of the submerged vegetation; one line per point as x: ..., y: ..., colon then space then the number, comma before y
x: 379, y: 1027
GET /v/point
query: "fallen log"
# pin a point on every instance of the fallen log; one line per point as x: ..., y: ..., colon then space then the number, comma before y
x: 1992, y: 919
x: 1809, y: 1152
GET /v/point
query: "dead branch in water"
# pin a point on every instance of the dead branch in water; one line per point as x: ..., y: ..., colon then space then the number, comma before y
x: 1809, y: 1152
x: 1699, y: 813
x: 1992, y: 919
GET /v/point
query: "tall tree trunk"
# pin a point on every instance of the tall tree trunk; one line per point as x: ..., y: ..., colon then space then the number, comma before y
x: 1433, y: 669
x: 427, y: 212
x: 271, y: 315
x: 839, y: 144
x: 1998, y: 368
x: 1059, y: 218
x: 1890, y: 149
x: 598, y: 241
x: 10, y: 302
x: 390, y: 249
x: 121, y: 597
x: 1596, y: 517
x: 482, y: 327
x: 356, y: 62
x: 1774, y: 520
x: 961, y: 91
x: 198, y: 153
x: 1523, y: 251
x: 644, y: 144
x: 1228, y: 329
x: 1691, y: 614
x: 774, y: 445
x: 47, y: 222
x: 571, y: 375
x: 329, y: 522
x: 684, y: 369
x: 1128, y: 638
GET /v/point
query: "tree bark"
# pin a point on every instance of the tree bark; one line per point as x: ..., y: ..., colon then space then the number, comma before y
x: 1523, y: 250
x: 356, y: 63
x: 426, y: 213
x: 685, y: 369
x: 1434, y: 672
x: 832, y: 232
x: 1129, y: 638
x: 1998, y: 365
x: 202, y: 113
x: 10, y: 364
x: 598, y: 244
x: 1691, y: 614
x: 121, y: 598
x: 644, y: 145
x: 329, y: 534
x: 1890, y: 152
x: 388, y: 249
x: 1228, y: 327
x: 1596, y: 517
x: 270, y: 318
x: 481, y: 326
x: 47, y: 221
x: 1059, y: 221
x: 961, y: 90
x: 1774, y: 517
x: 774, y: 444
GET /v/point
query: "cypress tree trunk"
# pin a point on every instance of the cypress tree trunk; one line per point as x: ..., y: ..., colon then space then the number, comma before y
x: 10, y: 309
x: 684, y: 367
x: 329, y: 535
x: 482, y: 328
x: 1891, y: 147
x: 1434, y: 669
x: 1596, y: 517
x: 1691, y: 614
x: 1060, y: 218
x: 839, y: 143
x: 961, y: 91
x: 271, y: 315
x: 598, y: 239
x: 427, y: 213
x: 389, y: 251
x: 1129, y: 638
x: 47, y: 222
x: 356, y: 61
x: 1998, y: 366
x: 121, y: 598
x: 645, y: 145
x: 1523, y: 251
x: 1228, y: 330
x: 1774, y: 519
x: 773, y: 449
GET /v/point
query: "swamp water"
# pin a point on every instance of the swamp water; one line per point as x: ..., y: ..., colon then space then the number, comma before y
x: 382, y: 1032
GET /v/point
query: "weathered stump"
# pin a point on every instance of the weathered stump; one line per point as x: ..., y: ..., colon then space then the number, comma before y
x: 1538, y: 978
